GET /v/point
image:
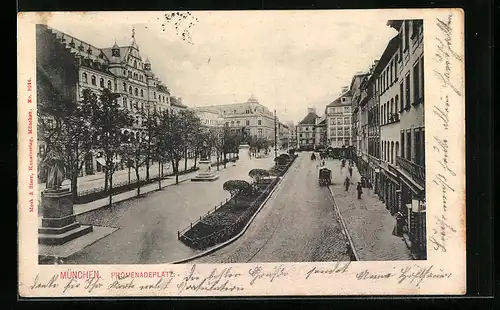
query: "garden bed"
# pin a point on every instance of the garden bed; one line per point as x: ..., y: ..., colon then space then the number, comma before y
x: 230, y: 219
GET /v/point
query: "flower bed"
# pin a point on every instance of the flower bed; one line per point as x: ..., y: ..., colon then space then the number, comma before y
x: 230, y: 219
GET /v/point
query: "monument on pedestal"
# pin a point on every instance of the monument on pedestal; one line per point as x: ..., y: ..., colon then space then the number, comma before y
x: 205, y: 172
x: 58, y: 222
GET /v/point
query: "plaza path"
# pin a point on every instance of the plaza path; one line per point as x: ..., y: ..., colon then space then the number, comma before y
x: 297, y: 224
x: 148, y: 226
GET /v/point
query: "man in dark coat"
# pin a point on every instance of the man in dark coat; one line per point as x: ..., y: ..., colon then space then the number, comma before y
x: 360, y: 190
x: 347, y: 182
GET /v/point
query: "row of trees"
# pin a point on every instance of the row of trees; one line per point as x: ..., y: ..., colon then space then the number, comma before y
x: 98, y: 124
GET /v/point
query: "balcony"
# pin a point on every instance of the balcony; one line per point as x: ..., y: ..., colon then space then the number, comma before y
x: 416, y: 172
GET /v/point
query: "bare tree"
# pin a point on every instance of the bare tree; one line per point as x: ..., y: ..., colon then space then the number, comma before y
x: 108, y: 121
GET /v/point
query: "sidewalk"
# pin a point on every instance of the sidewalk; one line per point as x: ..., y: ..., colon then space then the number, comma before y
x: 104, y: 202
x: 368, y: 222
x: 96, y: 180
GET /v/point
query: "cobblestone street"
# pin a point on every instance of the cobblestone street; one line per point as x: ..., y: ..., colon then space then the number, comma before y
x: 369, y: 223
x: 148, y: 225
x: 297, y: 224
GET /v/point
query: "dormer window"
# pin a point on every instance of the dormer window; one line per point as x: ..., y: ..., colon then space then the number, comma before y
x: 89, y: 50
x: 72, y: 43
x: 84, y: 78
x: 142, y: 93
x: 115, y: 52
x: 109, y: 85
x: 101, y: 82
x: 81, y: 48
x: 343, y: 99
x: 93, y: 80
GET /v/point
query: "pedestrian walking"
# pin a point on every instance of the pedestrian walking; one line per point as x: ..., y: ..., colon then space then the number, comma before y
x: 347, y: 182
x: 398, y: 229
x: 360, y: 190
x: 350, y: 171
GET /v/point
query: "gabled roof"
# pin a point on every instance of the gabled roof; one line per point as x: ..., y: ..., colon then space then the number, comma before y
x: 338, y: 101
x: 310, y: 119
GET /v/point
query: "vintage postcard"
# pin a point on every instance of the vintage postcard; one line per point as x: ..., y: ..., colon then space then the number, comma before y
x: 241, y: 153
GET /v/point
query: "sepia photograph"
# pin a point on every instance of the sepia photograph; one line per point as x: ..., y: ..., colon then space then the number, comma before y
x: 192, y: 138
x: 135, y: 169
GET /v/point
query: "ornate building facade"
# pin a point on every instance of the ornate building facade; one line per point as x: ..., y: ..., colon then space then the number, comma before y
x: 251, y: 116
x: 339, y: 120
x: 120, y: 69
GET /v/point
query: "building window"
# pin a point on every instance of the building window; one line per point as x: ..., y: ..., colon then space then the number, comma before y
x: 407, y: 32
x: 130, y: 90
x: 247, y: 122
x: 416, y: 84
x: 101, y: 82
x: 260, y: 132
x: 391, y: 67
x: 154, y: 95
x: 392, y: 152
x: 142, y: 93
x: 422, y: 77
x: 135, y: 63
x: 109, y: 84
x: 419, y: 138
x: 407, y: 92
x: 396, y: 59
x: 259, y: 122
x: 93, y: 80
x: 84, y: 78
x: 392, y: 109
x: 402, y: 144
x: 347, y: 109
x: 124, y: 86
x: 408, y: 145
x: 343, y: 99
x: 136, y: 92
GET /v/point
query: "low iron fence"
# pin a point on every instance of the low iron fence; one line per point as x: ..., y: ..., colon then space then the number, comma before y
x: 230, y: 231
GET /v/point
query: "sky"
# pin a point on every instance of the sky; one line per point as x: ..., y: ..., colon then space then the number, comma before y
x: 288, y: 60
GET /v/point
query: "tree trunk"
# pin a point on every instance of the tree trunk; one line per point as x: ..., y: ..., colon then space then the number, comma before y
x: 74, y: 185
x: 129, y: 175
x: 177, y: 172
x: 138, y: 182
x: 225, y: 159
x: 110, y: 189
x: 185, y: 159
x: 195, y: 158
x: 147, y: 166
x: 160, y: 174
x: 106, y: 176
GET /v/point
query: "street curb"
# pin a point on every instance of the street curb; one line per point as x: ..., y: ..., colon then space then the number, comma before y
x: 155, y: 190
x: 344, y: 226
x: 219, y: 246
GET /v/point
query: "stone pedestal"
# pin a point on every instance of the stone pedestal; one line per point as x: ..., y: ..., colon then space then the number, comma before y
x: 58, y: 223
x: 205, y: 173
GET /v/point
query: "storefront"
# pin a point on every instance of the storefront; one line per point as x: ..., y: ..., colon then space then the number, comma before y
x: 413, y: 207
x: 389, y: 186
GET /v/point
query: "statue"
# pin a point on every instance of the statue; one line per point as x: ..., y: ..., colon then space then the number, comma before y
x: 204, y: 151
x: 55, y: 168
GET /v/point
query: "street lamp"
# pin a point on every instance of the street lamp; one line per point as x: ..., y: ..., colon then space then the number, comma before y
x: 275, y: 138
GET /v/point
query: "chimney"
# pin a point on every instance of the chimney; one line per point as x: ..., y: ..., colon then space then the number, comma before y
x: 311, y: 110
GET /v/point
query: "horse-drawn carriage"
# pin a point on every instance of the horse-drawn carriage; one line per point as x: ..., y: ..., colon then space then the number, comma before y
x: 325, y: 177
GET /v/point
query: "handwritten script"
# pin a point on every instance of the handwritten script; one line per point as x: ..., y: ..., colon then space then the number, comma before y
x: 445, y: 58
